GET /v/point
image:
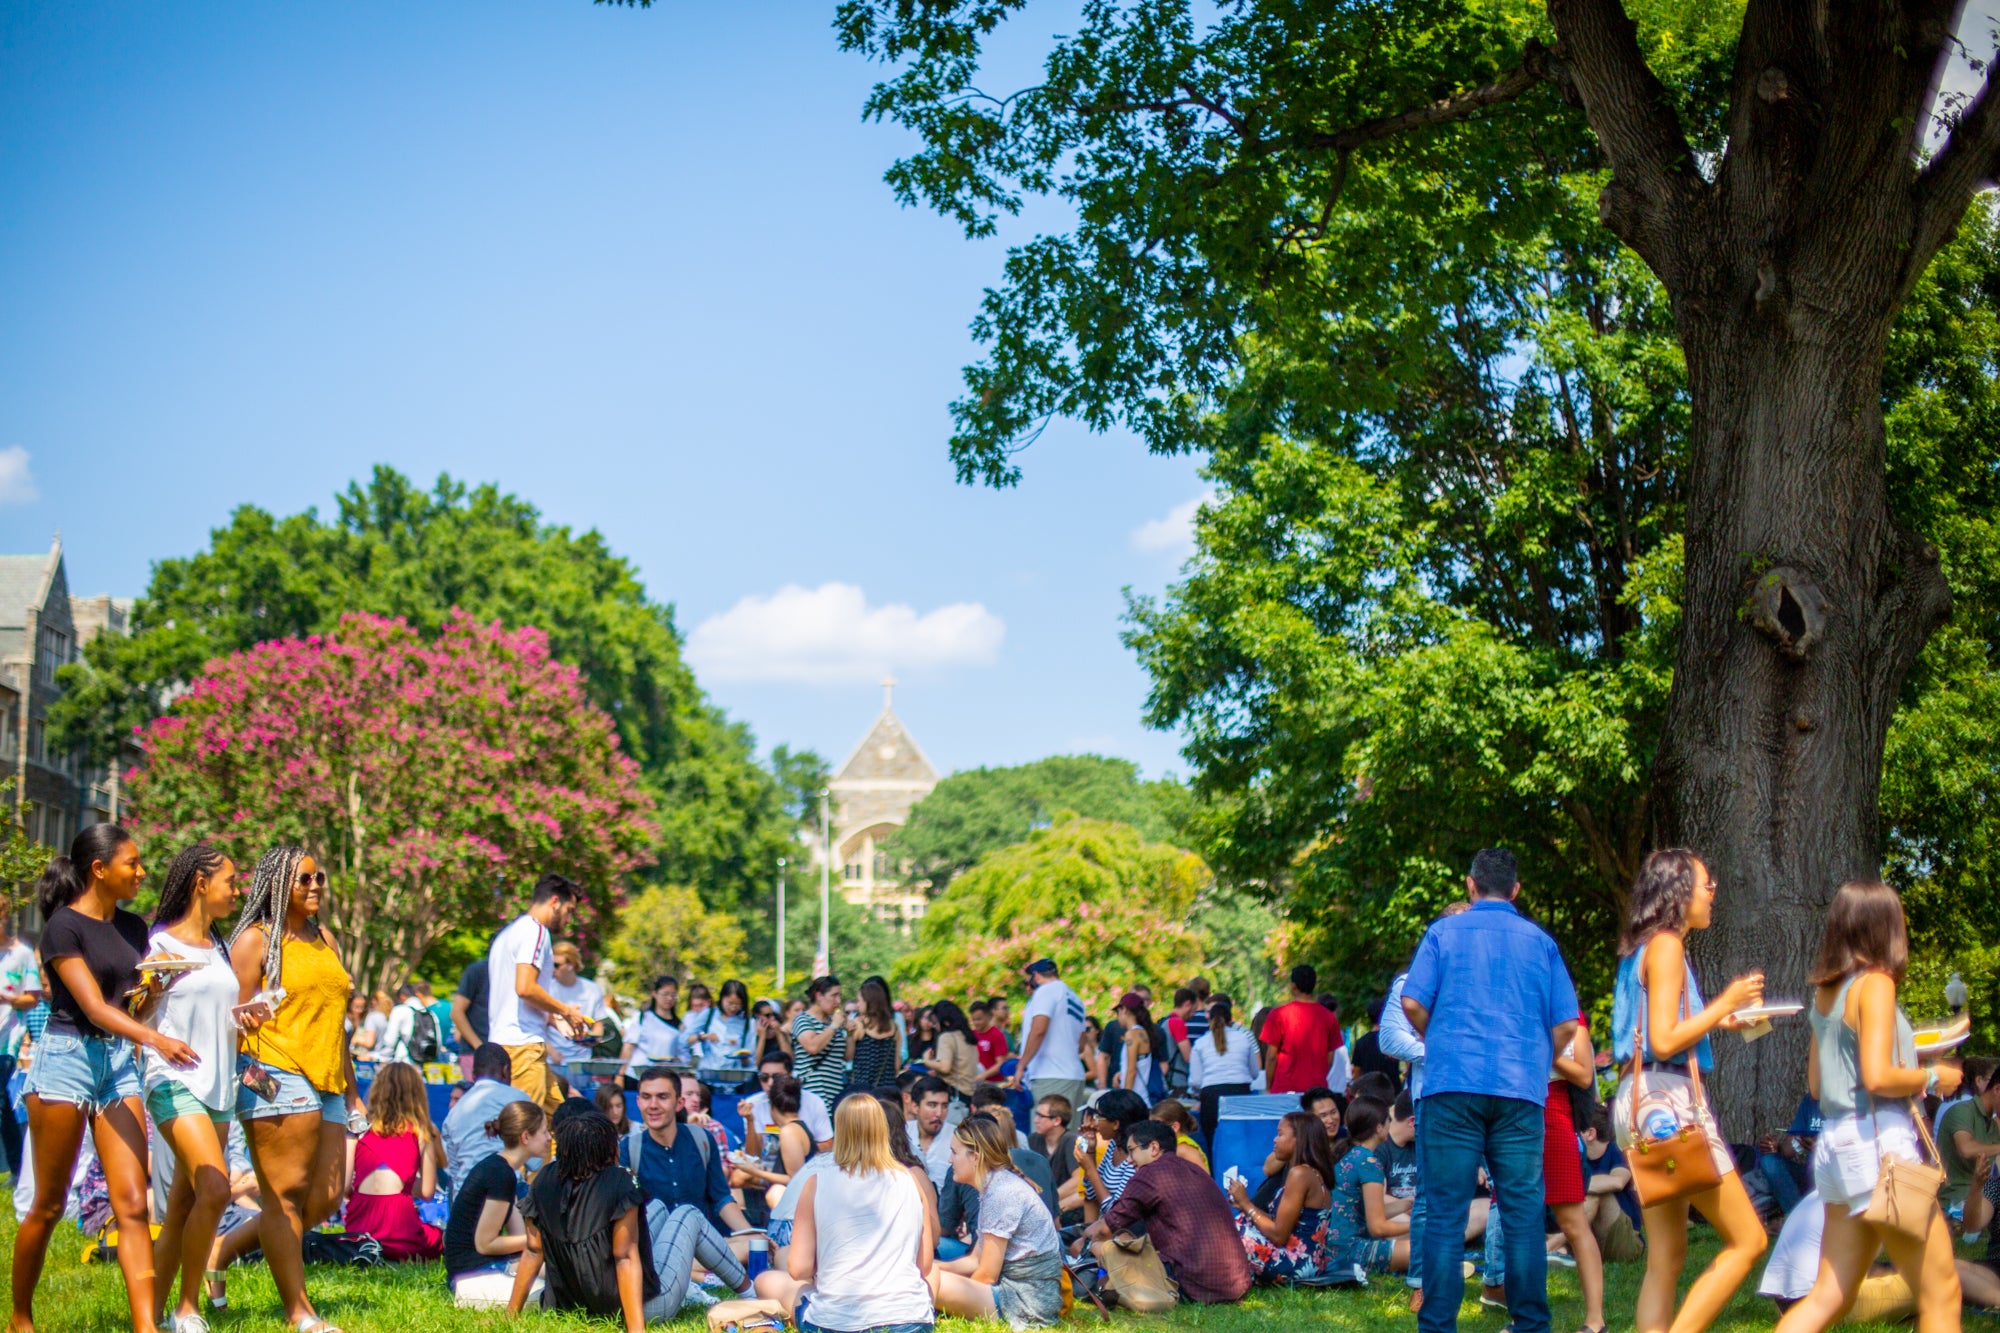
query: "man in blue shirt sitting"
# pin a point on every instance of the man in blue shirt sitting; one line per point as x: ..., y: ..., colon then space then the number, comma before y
x: 1490, y: 997
x: 680, y: 1171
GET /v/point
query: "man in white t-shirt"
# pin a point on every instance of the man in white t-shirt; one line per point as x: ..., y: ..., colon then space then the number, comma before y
x: 20, y: 991
x: 1051, y: 1026
x: 520, y: 968
x: 571, y: 987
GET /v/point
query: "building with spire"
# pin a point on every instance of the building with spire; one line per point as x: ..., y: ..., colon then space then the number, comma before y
x: 872, y: 794
x: 43, y: 629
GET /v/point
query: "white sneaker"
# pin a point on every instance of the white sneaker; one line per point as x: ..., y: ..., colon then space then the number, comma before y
x: 186, y: 1323
x: 699, y: 1295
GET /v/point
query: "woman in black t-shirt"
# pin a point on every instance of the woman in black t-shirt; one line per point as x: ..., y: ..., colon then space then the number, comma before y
x: 484, y: 1233
x: 586, y: 1224
x: 84, y: 1075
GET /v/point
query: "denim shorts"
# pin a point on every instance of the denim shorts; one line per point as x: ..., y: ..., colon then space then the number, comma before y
x: 779, y: 1229
x: 89, y: 1072
x: 808, y: 1326
x: 296, y: 1096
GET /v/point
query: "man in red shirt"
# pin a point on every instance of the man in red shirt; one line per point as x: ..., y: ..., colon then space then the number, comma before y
x: 1299, y: 1037
x: 990, y: 1038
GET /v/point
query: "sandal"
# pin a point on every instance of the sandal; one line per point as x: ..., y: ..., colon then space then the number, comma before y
x: 312, y: 1323
x: 213, y: 1279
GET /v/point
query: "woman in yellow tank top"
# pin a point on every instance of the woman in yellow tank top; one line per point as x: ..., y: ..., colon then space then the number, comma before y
x: 297, y: 1098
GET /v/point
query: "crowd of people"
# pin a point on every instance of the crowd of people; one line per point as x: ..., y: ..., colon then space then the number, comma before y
x: 865, y: 1166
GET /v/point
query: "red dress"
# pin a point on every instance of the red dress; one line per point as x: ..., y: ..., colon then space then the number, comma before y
x: 392, y: 1218
x: 1562, y: 1154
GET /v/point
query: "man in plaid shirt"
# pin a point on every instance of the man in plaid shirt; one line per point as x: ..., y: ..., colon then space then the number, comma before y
x: 1190, y: 1249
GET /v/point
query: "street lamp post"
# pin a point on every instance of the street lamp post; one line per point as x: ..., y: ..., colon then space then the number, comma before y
x: 824, y: 962
x: 781, y: 925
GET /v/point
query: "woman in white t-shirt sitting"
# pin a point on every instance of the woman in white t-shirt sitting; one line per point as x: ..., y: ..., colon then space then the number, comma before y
x: 1015, y: 1271
x: 194, y: 1106
x: 862, y: 1240
x: 656, y: 1038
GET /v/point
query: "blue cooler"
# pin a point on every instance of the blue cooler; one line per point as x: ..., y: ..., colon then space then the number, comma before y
x: 1245, y: 1129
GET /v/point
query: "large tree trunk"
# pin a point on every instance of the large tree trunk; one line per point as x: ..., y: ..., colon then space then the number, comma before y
x: 1805, y: 605
x: 1787, y: 258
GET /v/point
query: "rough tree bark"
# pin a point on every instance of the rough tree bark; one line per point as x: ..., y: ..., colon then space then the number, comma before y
x: 1805, y: 603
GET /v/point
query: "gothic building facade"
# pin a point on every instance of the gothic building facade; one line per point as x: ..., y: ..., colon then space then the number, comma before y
x: 872, y: 793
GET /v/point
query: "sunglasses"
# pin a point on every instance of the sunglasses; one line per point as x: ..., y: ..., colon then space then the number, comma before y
x: 314, y: 878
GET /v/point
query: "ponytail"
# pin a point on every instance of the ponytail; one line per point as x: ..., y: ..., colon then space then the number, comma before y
x: 1220, y: 1015
x: 66, y: 877
x: 516, y: 1121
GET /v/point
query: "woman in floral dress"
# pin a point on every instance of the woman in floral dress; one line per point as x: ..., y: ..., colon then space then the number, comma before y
x: 1292, y: 1243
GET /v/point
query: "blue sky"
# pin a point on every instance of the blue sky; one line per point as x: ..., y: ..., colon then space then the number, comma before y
x: 636, y: 266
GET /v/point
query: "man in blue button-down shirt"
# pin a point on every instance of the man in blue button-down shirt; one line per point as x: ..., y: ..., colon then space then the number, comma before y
x: 1490, y: 996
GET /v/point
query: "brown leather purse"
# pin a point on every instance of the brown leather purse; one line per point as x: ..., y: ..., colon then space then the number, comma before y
x: 1906, y: 1192
x: 1682, y: 1164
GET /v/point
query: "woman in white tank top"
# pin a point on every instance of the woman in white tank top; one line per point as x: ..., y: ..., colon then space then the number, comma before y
x: 862, y: 1240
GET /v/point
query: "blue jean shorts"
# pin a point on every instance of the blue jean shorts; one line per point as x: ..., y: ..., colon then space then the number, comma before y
x: 296, y: 1096
x: 90, y: 1072
x: 779, y: 1229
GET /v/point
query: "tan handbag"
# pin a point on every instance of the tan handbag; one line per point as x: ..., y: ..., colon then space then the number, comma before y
x: 1906, y: 1192
x: 1681, y: 1164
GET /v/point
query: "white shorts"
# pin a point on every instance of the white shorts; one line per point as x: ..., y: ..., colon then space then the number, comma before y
x: 1848, y: 1157
x: 1674, y: 1094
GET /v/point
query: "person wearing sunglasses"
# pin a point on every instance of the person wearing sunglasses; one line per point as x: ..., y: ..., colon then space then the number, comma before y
x: 296, y: 1093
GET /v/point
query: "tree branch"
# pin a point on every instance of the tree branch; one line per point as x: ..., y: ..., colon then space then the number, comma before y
x: 1655, y: 184
x: 1538, y: 65
x: 1968, y: 162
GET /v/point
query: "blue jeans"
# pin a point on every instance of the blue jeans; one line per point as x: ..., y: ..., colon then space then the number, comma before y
x: 1777, y: 1174
x: 10, y: 1126
x: 1415, y: 1277
x: 1458, y: 1131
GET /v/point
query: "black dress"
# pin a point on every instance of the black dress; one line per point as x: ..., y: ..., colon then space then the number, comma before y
x: 874, y: 1062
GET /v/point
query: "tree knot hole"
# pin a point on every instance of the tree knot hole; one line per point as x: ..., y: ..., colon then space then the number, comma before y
x: 1774, y: 85
x: 1789, y: 608
x: 1767, y: 279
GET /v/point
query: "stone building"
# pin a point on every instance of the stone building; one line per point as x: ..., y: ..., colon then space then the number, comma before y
x: 42, y: 628
x: 872, y: 794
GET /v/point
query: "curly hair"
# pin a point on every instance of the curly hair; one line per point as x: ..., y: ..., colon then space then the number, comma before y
x: 1660, y: 895
x: 586, y: 1144
x: 268, y: 905
x: 192, y: 865
x: 399, y: 1104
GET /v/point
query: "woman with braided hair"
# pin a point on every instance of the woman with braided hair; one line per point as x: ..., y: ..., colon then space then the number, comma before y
x: 194, y: 1107
x: 296, y: 1095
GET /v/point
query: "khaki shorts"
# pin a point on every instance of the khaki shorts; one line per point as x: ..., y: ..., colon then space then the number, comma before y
x: 1675, y: 1094
x: 532, y: 1075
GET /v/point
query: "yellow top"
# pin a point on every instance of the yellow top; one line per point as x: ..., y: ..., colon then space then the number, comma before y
x: 308, y: 1035
x: 1186, y: 1142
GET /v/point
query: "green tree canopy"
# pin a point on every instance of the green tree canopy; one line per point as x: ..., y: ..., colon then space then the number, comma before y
x: 984, y: 809
x: 396, y: 550
x: 1109, y: 906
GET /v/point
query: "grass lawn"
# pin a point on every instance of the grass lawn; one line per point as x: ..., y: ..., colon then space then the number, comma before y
x: 410, y: 1298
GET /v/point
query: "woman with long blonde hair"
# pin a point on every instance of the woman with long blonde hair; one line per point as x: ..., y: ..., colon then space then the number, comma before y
x: 1863, y: 1068
x: 862, y: 1240
x: 395, y: 1164
x: 1015, y: 1271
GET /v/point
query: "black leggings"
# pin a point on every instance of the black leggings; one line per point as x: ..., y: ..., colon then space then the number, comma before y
x: 1209, y: 1097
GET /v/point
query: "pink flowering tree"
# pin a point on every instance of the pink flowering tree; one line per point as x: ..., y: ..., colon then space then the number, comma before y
x: 433, y: 780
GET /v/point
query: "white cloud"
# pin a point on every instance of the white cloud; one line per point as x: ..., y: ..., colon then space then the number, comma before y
x: 17, y: 485
x: 1172, y: 534
x: 831, y: 635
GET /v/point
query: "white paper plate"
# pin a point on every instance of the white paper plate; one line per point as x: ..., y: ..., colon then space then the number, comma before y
x: 1769, y: 1009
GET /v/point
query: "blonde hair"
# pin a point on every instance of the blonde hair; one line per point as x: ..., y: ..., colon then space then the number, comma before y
x: 566, y: 953
x: 398, y: 1104
x: 861, y: 1137
x: 981, y: 1133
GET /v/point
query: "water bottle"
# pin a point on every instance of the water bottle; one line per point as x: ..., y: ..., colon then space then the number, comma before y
x: 1661, y: 1123
x: 760, y: 1255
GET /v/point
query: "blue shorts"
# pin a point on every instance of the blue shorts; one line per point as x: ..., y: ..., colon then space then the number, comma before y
x: 90, y: 1072
x: 296, y: 1096
x: 779, y: 1229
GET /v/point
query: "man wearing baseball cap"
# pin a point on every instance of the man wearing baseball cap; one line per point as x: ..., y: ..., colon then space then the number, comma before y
x: 1051, y: 1026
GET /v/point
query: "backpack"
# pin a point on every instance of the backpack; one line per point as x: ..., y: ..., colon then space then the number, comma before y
x: 703, y: 1144
x: 426, y: 1043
